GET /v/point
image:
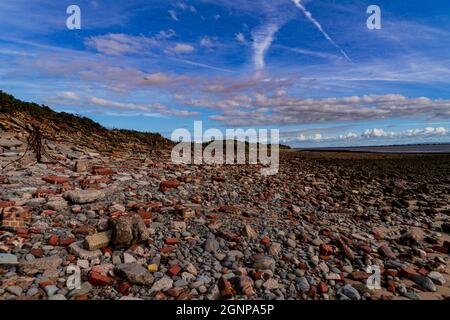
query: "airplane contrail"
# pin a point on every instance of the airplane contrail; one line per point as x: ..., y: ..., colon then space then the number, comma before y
x: 309, y: 16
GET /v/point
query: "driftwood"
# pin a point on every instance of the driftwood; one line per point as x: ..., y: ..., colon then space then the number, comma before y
x: 35, y: 145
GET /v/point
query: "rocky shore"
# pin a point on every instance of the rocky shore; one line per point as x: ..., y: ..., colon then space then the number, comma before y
x: 139, y: 227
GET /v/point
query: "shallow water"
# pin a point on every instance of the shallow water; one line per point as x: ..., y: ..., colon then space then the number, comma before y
x: 425, y: 148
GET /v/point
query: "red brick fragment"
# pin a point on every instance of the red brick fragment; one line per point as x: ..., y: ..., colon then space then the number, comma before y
x: 56, y: 179
x: 171, y: 241
x: 169, y: 184
x: 97, y: 279
x: 173, y: 270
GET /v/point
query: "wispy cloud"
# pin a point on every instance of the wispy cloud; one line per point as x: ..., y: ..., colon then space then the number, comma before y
x: 202, y: 65
x: 173, y: 15
x: 240, y: 37
x: 120, y: 43
x: 262, y: 40
x: 107, y: 106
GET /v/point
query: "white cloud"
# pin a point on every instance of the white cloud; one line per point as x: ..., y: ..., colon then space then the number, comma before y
x: 426, y: 131
x: 348, y: 136
x: 181, y: 48
x: 208, y: 42
x: 166, y: 34
x: 241, y: 37
x: 368, y: 135
x: 68, y: 95
x: 377, y: 133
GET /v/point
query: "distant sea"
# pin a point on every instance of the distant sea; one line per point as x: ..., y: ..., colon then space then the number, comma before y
x: 419, y: 148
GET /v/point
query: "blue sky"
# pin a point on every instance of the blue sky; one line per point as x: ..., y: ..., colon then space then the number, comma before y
x: 309, y: 68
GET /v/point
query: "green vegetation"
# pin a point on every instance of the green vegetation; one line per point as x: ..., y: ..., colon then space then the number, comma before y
x: 71, y: 123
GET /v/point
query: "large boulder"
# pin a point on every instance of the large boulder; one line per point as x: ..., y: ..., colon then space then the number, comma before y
x: 129, y: 230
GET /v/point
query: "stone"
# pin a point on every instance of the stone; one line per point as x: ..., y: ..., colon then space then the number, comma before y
x: 271, y: 284
x: 81, y: 166
x: 191, y: 269
x: 302, y: 284
x: 153, y: 267
x: 323, y: 267
x: 350, y: 292
x: 56, y: 205
x: 162, y: 284
x: 51, y: 273
x: 104, y: 268
x: 274, y: 249
x: 317, y: 242
x: 359, y: 275
x: 178, y: 226
x: 291, y: 243
x: 84, y: 196
x: 424, y: 282
x: 32, y: 291
x: 10, y: 142
x: 211, y: 245
x: 249, y: 232
x: 16, y: 290
x: 348, y: 252
x: 437, y: 278
x: 128, y: 258
x: 134, y: 273
x: 409, y: 238
x: 40, y: 265
x: 57, y: 297
x: 325, y: 249
x: 8, y: 259
x: 77, y: 250
x: 387, y: 252
x: 264, y: 263
x: 129, y: 230
x: 51, y: 290
x: 130, y: 298
x: 230, y: 209
x: 246, y: 286
x: 83, y: 264
x: 411, y: 295
x: 85, y: 289
x: 117, y: 208
x: 226, y: 289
